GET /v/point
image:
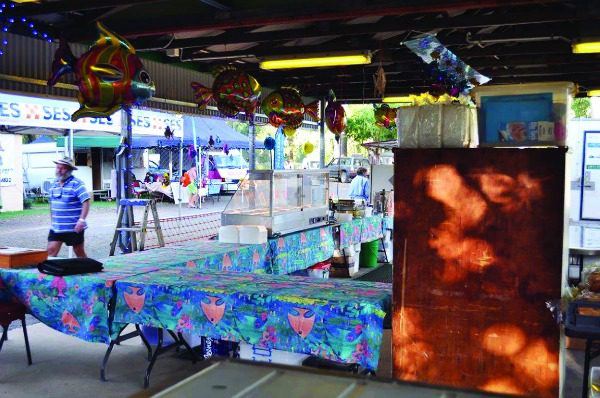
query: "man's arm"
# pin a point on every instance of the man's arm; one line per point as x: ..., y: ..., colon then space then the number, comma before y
x: 367, y: 190
x: 85, y: 208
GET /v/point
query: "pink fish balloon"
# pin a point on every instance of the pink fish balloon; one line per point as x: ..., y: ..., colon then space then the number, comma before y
x: 335, y: 115
x: 109, y: 75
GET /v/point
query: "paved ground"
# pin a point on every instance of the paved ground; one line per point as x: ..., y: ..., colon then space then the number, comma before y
x: 32, y: 231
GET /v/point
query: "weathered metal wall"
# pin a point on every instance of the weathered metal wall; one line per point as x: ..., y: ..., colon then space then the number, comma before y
x: 26, y: 66
x: 30, y: 60
x: 477, y: 254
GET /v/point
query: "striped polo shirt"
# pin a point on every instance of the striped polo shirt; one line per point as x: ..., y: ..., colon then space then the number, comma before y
x: 66, y: 204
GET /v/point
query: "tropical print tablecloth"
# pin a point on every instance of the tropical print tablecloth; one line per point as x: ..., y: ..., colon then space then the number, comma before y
x: 361, y: 230
x: 300, y: 250
x: 339, y: 320
x: 203, y: 256
x: 76, y: 305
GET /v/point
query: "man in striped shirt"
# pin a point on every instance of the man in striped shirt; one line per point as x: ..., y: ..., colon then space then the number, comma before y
x: 69, y: 206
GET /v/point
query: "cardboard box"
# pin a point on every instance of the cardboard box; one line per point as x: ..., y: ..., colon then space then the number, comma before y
x: 19, y: 257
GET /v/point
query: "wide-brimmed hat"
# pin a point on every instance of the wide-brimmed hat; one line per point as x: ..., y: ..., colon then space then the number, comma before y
x: 67, y: 162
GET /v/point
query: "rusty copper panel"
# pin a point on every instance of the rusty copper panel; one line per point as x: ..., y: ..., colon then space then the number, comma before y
x: 478, y: 250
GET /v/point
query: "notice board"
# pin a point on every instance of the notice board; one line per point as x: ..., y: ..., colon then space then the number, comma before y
x: 590, y: 177
x: 478, y: 237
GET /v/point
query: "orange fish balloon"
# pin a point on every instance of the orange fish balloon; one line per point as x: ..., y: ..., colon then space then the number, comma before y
x: 109, y: 75
x: 385, y: 116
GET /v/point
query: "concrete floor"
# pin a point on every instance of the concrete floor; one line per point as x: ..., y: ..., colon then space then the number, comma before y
x: 65, y: 366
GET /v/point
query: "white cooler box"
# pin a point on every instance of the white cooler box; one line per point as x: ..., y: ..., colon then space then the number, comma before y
x: 252, y: 352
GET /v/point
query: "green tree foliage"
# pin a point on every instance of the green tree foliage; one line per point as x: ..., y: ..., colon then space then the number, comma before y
x: 362, y: 127
x: 582, y: 107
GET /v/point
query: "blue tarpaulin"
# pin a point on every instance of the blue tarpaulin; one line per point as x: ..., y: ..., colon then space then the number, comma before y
x: 221, y: 132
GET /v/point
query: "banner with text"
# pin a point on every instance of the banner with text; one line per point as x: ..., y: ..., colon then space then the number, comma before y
x: 19, y: 110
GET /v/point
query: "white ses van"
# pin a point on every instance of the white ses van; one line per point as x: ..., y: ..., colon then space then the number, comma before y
x: 232, y: 167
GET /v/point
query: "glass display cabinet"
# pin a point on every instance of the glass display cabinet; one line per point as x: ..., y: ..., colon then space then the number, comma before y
x: 284, y: 201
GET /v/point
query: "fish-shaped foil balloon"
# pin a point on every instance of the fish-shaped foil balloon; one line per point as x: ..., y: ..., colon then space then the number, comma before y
x: 284, y: 107
x: 385, y: 116
x: 233, y: 90
x: 109, y: 75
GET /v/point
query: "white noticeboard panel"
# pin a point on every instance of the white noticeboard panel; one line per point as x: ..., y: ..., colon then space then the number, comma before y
x: 382, y: 177
x: 8, y: 164
x: 590, y: 188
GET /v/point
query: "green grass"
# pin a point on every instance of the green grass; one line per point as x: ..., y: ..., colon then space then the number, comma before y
x: 43, y: 208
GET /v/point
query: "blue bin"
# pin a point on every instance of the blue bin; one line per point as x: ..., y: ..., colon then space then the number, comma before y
x: 215, y: 347
x: 151, y: 334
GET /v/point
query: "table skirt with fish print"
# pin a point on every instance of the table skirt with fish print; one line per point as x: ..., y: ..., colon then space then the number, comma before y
x: 76, y: 305
x: 300, y: 250
x: 203, y: 256
x: 341, y: 320
x: 360, y: 230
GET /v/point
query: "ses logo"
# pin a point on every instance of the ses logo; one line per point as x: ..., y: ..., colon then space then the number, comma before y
x: 145, y: 122
x: 50, y: 113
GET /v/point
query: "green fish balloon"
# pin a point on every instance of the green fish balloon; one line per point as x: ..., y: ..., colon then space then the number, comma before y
x: 284, y: 107
x: 109, y: 75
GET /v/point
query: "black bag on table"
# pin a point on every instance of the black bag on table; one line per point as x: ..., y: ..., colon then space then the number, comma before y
x: 70, y: 266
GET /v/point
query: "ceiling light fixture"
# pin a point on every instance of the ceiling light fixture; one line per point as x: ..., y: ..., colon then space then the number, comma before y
x: 315, y: 61
x: 404, y: 99
x: 586, y: 47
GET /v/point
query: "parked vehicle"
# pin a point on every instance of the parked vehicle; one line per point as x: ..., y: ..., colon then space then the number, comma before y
x: 344, y: 168
x: 232, y: 167
x: 311, y: 164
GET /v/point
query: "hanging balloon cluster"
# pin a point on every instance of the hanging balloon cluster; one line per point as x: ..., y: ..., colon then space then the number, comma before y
x: 109, y: 75
x: 168, y: 133
x: 269, y: 143
x: 233, y: 90
x: 335, y: 116
x: 284, y: 107
x: 385, y: 116
x: 308, y: 148
x: 448, y: 73
x: 9, y: 20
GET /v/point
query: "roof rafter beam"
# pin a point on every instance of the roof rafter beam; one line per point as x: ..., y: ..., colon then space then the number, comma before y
x: 326, y: 12
x: 403, y: 24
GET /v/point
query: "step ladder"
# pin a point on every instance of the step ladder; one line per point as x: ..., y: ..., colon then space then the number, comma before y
x: 126, y: 205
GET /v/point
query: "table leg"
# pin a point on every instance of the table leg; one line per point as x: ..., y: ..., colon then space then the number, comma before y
x: 117, y: 341
x: 137, y: 327
x: 153, y: 359
x: 586, y: 370
x: 105, y: 360
x: 181, y: 341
